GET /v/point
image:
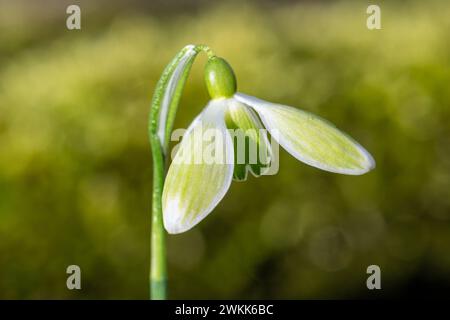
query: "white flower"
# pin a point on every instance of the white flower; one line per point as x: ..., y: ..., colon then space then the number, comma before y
x: 193, y: 188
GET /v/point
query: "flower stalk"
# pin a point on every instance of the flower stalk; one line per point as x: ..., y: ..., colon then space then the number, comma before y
x: 162, y: 114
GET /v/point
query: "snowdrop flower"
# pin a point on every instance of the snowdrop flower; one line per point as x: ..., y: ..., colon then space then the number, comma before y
x: 193, y: 186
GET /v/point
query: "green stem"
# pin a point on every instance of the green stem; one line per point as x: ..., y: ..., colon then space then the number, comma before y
x: 158, y: 267
x: 158, y: 261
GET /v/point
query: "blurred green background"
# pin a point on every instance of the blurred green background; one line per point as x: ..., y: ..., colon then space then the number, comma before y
x: 75, y: 164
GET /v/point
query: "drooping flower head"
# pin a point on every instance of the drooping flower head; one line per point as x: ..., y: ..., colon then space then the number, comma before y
x: 229, y: 139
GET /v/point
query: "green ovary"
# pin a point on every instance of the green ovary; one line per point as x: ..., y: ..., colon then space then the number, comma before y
x: 220, y: 79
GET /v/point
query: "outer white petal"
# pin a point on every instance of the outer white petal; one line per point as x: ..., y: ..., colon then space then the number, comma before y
x: 310, y: 138
x: 194, y: 185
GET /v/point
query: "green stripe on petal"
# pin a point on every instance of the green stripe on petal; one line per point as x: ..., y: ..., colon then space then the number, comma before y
x: 201, y: 171
x: 251, y: 146
x: 310, y: 138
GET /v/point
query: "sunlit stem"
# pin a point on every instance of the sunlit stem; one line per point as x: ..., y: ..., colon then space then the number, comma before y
x: 158, y: 258
x: 158, y: 264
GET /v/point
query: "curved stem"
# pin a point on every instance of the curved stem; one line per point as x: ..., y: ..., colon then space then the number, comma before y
x: 167, y: 95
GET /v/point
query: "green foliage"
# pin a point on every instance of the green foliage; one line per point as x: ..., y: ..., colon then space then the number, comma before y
x: 75, y: 165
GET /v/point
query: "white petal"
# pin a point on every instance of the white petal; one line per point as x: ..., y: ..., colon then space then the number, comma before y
x: 310, y: 138
x: 171, y: 89
x: 195, y: 181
